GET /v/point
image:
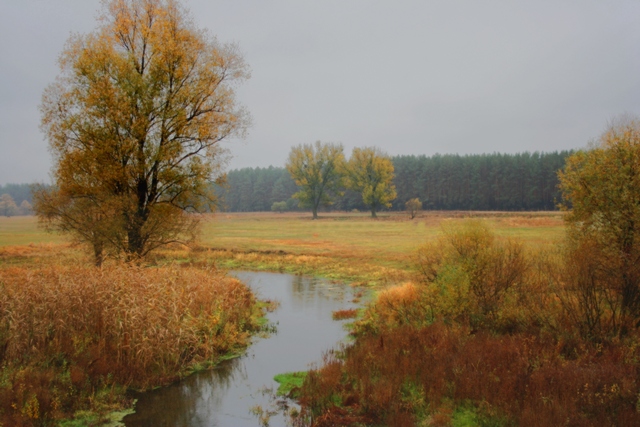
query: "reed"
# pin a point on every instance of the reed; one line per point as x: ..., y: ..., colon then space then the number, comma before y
x: 75, y: 337
x: 418, y: 376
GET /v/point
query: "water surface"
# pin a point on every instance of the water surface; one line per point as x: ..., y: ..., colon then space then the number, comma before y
x: 224, y: 396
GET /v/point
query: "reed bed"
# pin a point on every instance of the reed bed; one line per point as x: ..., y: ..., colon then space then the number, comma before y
x: 350, y: 313
x: 75, y: 337
x: 492, y: 334
x: 435, y: 375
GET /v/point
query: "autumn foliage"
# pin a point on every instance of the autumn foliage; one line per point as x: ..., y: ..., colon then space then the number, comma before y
x: 134, y: 123
x: 490, y: 333
x: 370, y: 173
x: 75, y: 337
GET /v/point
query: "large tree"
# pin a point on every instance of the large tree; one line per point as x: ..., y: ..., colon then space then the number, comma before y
x: 318, y: 170
x: 601, y: 192
x: 370, y: 173
x: 134, y: 123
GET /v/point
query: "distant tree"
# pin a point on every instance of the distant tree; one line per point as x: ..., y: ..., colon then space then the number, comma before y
x: 601, y: 192
x: 19, y: 192
x: 318, y: 170
x: 134, y: 124
x: 279, y: 207
x: 413, y: 206
x: 8, y: 206
x: 26, y: 208
x: 370, y: 172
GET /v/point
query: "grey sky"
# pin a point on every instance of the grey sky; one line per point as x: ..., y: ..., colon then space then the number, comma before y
x: 412, y: 77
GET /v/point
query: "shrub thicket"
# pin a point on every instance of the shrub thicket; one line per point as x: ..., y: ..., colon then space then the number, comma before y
x: 492, y: 333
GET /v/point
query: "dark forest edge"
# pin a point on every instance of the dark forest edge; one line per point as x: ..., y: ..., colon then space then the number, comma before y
x: 511, y: 182
x: 486, y: 182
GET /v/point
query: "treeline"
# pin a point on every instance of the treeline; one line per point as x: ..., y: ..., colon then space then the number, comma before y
x: 256, y: 189
x: 18, y: 192
x: 523, y: 181
x: 15, y: 199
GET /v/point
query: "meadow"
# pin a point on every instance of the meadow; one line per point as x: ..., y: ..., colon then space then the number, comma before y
x: 520, y: 332
x: 351, y: 247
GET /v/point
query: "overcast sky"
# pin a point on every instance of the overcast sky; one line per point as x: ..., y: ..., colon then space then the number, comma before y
x: 411, y: 77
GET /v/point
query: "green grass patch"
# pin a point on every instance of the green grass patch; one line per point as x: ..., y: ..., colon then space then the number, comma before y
x: 24, y: 230
x: 289, y: 382
x: 89, y: 419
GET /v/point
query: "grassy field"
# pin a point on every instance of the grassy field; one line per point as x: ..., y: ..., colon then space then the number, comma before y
x: 352, y: 247
x: 528, y: 339
x: 24, y: 230
x: 342, y: 246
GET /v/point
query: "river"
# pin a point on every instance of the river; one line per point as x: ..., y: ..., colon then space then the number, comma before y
x: 224, y: 396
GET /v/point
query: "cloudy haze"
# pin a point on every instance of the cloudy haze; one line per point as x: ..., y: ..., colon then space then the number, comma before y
x: 412, y: 77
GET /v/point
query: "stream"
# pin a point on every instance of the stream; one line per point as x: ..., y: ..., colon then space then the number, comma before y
x: 224, y: 396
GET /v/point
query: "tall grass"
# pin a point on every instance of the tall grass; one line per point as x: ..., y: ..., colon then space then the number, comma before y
x: 492, y: 334
x: 416, y: 376
x: 73, y: 337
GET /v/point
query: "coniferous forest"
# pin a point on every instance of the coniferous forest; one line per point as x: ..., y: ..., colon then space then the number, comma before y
x: 500, y: 182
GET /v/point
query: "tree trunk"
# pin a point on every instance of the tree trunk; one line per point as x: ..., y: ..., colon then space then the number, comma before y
x: 135, y: 243
x: 98, y: 253
x: 373, y: 213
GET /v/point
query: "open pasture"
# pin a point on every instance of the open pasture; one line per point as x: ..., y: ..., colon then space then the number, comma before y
x: 388, y: 237
x: 24, y: 230
x: 341, y: 242
x: 337, y: 245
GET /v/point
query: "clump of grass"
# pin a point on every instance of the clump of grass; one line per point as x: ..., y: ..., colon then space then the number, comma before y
x: 351, y: 313
x: 75, y: 337
x: 289, y: 383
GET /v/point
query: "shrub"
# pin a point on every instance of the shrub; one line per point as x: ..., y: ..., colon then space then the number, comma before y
x: 440, y: 373
x: 471, y: 273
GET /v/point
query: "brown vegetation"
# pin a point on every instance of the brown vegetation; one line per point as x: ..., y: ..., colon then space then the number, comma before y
x: 344, y: 314
x: 410, y: 376
x: 494, y: 333
x: 73, y: 337
x: 134, y: 123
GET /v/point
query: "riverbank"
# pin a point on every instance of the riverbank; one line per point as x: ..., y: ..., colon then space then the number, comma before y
x: 73, y: 339
x: 342, y: 247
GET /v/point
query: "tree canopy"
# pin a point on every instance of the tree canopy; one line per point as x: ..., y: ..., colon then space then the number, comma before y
x: 370, y: 173
x: 522, y: 181
x: 601, y: 192
x: 318, y: 170
x: 134, y: 123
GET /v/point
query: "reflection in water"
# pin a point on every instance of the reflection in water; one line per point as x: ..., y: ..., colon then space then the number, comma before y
x: 223, y: 396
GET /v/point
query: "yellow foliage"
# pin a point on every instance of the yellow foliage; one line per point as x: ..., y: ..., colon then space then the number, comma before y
x: 370, y: 173
x: 318, y: 170
x: 134, y: 124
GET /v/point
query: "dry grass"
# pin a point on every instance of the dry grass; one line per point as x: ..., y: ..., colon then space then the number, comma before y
x: 411, y: 376
x: 351, y: 313
x: 481, y: 339
x: 134, y: 319
x: 70, y: 333
x: 349, y: 247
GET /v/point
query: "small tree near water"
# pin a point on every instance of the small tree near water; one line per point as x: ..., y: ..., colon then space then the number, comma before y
x: 318, y: 170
